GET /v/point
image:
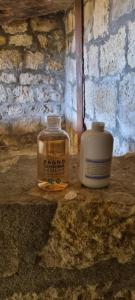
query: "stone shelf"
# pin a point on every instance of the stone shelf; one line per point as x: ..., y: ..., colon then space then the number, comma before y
x: 75, y: 244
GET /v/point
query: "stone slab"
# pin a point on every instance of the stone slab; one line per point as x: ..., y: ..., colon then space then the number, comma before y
x: 77, y: 242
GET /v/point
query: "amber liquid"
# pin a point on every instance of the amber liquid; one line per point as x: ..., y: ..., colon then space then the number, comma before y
x: 53, y: 157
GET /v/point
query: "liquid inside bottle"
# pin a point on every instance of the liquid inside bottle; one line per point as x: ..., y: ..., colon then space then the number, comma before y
x: 53, y: 156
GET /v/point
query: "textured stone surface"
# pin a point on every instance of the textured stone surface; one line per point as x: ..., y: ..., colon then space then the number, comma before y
x: 71, y: 69
x: 105, y: 103
x: 70, y: 21
x: 88, y: 20
x: 12, y: 10
x: 131, y: 46
x: 2, y: 40
x: 127, y: 106
x: 121, y: 7
x: 93, y: 61
x: 88, y: 229
x: 87, y: 242
x: 86, y: 66
x: 101, y: 18
x: 42, y: 40
x: 8, y: 78
x: 109, y: 62
x: 54, y: 65
x: 3, y: 95
x: 44, y: 25
x: 10, y: 59
x: 34, y: 60
x: 89, y: 292
x: 15, y: 27
x: 113, y: 54
x: 9, y: 257
x: 23, y: 40
x: 89, y: 98
x: 32, y: 79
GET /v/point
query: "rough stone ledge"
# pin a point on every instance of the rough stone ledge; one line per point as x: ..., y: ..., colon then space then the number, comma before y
x: 78, y: 242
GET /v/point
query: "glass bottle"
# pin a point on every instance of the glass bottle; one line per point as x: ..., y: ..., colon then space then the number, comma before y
x: 96, y: 156
x: 53, y: 156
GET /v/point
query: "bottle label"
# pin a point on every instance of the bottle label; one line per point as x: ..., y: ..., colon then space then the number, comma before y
x: 98, y: 169
x: 53, y: 161
x: 54, y: 167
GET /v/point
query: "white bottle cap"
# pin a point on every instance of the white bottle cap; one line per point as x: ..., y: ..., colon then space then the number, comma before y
x: 54, y: 121
x: 98, y: 126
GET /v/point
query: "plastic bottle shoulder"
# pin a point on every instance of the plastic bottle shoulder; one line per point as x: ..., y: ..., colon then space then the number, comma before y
x: 90, y: 132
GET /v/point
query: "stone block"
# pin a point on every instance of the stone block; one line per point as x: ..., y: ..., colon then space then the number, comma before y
x: 8, y: 78
x: 2, y: 40
x: 89, y: 98
x: 126, y: 107
x: 70, y: 45
x: 88, y: 231
x: 112, y: 58
x: 10, y: 59
x: 3, y: 96
x: 22, y: 94
x: 105, y: 103
x: 44, y: 24
x: 101, y: 18
x: 71, y: 69
x: 15, y: 111
x: 68, y: 97
x: 15, y: 27
x: 86, y: 66
x: 43, y: 40
x: 93, y: 61
x: 70, y: 21
x: 131, y: 45
x: 54, y: 65
x: 74, y: 93
x: 120, y: 8
x: 23, y: 40
x: 88, y: 20
x: 47, y: 94
x: 32, y: 79
x: 34, y: 60
x: 120, y: 147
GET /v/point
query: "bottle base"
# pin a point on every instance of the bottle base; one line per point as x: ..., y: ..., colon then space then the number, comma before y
x: 51, y: 187
x: 101, y: 184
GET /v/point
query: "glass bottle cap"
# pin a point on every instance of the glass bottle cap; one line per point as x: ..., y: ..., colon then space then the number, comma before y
x: 54, y: 121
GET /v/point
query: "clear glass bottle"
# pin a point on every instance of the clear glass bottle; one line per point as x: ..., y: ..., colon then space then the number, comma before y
x: 53, y: 156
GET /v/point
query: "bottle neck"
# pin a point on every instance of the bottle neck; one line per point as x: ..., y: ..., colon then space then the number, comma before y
x: 53, y: 128
x: 98, y: 126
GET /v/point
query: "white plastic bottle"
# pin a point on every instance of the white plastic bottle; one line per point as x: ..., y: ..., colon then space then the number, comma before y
x: 96, y: 156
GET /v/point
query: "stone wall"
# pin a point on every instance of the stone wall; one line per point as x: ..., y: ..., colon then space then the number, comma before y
x: 31, y: 76
x: 109, y: 68
x: 109, y: 55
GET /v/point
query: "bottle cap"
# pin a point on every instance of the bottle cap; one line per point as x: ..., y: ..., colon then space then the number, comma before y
x: 98, y: 126
x: 54, y: 121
